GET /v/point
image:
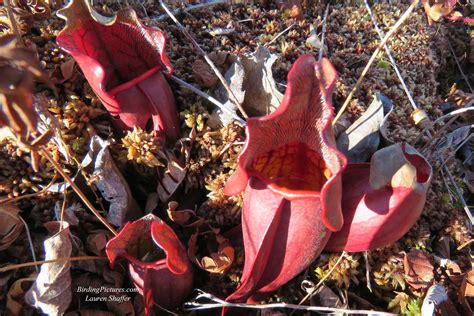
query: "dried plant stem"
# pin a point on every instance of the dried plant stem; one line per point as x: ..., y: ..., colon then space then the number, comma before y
x: 16, y: 199
x: 216, y: 302
x: 78, y: 191
x: 323, y: 31
x: 29, y: 264
x: 459, y: 194
x: 367, y: 270
x: 28, y: 235
x: 310, y: 294
x: 11, y: 16
x: 467, y: 243
x: 191, y: 8
x: 459, y: 67
x: 279, y: 35
x: 390, y: 57
x: 392, y: 31
x: 232, y: 96
x: 221, y: 106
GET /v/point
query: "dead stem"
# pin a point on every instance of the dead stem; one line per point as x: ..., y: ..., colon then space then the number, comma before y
x: 11, y: 16
x: 13, y: 200
x: 28, y: 235
x: 390, y: 57
x: 29, y: 264
x: 392, y: 31
x: 367, y: 270
x: 467, y: 243
x: 459, y: 67
x: 63, y: 208
x: 279, y: 35
x: 323, y: 31
x: 221, y: 106
x: 216, y: 302
x: 77, y: 190
x: 190, y: 8
x: 310, y: 294
x: 232, y: 96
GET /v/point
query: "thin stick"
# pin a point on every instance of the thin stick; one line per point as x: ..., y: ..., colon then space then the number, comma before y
x: 78, y: 191
x: 459, y: 67
x: 310, y: 294
x: 279, y: 34
x: 27, y: 230
x: 221, y: 106
x: 11, y: 16
x: 459, y: 193
x: 63, y: 208
x: 467, y: 243
x: 191, y: 8
x: 323, y: 31
x: 394, y: 28
x: 367, y: 270
x: 14, y: 200
x: 232, y: 96
x: 390, y: 57
x: 218, y: 303
x: 30, y: 264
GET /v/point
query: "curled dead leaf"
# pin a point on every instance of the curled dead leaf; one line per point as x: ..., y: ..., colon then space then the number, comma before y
x: 418, y: 269
x: 110, y: 182
x: 202, y: 72
x: 467, y: 285
x: 31, y: 9
x: 171, y: 179
x: 51, y: 291
x: 217, y: 261
x: 15, y: 297
x: 10, y: 225
x: 97, y: 240
x: 179, y: 217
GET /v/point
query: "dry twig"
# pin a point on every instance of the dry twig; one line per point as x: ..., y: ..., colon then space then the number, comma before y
x: 232, y: 96
x: 392, y: 31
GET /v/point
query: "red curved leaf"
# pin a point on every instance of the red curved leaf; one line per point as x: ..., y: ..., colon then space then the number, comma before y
x: 122, y: 61
x: 290, y: 171
x: 382, y: 200
x: 158, y: 263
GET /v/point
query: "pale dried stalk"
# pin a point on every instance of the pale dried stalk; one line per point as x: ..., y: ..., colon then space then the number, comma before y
x: 11, y: 16
x: 28, y: 235
x: 192, y: 7
x: 21, y: 197
x: 323, y: 31
x: 221, y: 106
x: 310, y: 294
x: 390, y: 57
x: 459, y: 67
x: 76, y: 189
x: 392, y: 31
x: 218, y: 303
x: 232, y: 96
x: 29, y: 264
x: 279, y: 35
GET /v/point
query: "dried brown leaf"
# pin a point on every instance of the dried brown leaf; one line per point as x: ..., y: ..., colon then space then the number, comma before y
x: 96, y: 241
x: 171, y: 179
x: 15, y: 296
x: 217, y: 261
x: 10, y: 225
x: 418, y: 269
x: 51, y: 291
x: 467, y: 290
